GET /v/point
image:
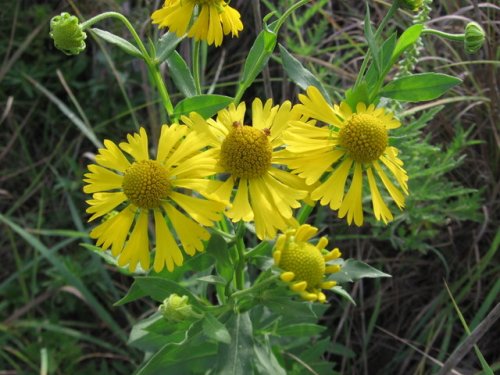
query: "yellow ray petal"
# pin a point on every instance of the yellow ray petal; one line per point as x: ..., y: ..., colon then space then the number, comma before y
x: 203, y: 211
x: 393, y: 191
x: 102, y: 203
x: 111, y: 157
x: 332, y: 190
x: 316, y: 106
x: 241, y: 209
x: 352, y: 203
x: 170, y: 136
x: 305, y: 232
x: 137, y: 145
x: 136, y: 250
x: 101, y: 179
x: 114, y: 231
x: 190, y: 233
x: 380, y: 209
x: 167, y: 250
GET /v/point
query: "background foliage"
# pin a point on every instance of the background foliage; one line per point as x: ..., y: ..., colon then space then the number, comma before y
x: 56, y: 297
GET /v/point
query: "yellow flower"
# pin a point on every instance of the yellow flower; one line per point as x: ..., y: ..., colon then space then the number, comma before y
x: 215, y: 19
x: 144, y: 186
x: 304, y: 265
x: 249, y: 159
x: 354, y: 142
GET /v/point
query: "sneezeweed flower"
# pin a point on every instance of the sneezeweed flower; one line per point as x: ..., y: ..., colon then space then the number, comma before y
x: 474, y: 37
x: 215, y: 18
x: 67, y: 34
x: 159, y: 187
x: 176, y: 308
x: 248, y: 158
x: 304, y: 265
x: 354, y: 142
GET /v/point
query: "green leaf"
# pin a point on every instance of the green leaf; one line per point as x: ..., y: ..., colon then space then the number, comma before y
x: 236, y: 358
x: 265, y: 360
x: 406, y: 39
x: 300, y: 75
x: 386, y: 51
x: 217, y: 247
x: 166, y: 44
x: 204, y: 105
x: 180, y: 74
x: 354, y: 270
x: 304, y: 329
x: 343, y: 293
x: 212, y: 279
x: 134, y: 293
x: 257, y: 58
x: 159, y: 289
x: 214, y: 329
x: 357, y: 94
x: 372, y: 43
x: 419, y: 87
x: 125, y: 45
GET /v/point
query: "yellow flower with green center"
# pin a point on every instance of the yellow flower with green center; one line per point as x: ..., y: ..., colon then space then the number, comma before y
x: 353, y: 142
x: 304, y: 265
x: 166, y: 187
x: 253, y: 183
x: 215, y: 18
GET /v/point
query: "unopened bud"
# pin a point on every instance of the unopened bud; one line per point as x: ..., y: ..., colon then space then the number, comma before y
x: 474, y: 37
x: 411, y: 4
x: 67, y: 34
x: 176, y: 308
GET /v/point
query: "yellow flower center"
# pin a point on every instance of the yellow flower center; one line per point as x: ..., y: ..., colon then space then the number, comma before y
x: 305, y: 261
x: 365, y: 137
x: 146, y: 184
x: 246, y: 152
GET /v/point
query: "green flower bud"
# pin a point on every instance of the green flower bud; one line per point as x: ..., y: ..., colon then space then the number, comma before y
x: 67, y: 34
x: 176, y: 309
x: 474, y: 37
x: 411, y: 4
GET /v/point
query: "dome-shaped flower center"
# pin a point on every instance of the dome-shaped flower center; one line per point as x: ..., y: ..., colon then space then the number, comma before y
x: 305, y: 261
x: 146, y: 183
x: 365, y: 137
x: 246, y: 152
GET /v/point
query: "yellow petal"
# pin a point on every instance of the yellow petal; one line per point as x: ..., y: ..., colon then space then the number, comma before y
x: 101, y: 179
x: 137, y: 145
x: 203, y: 211
x: 393, y: 191
x: 167, y: 250
x: 102, y: 203
x: 241, y: 209
x: 380, y: 209
x: 136, y: 250
x: 332, y: 190
x: 352, y: 203
x: 114, y: 231
x: 305, y: 232
x: 111, y: 157
x: 188, y: 231
x: 287, y: 276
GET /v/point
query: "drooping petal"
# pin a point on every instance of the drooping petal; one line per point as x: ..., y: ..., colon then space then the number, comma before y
x: 167, y: 251
x: 136, y: 250
x: 241, y: 209
x: 352, y: 203
x: 332, y: 190
x: 203, y: 211
x: 380, y: 209
x: 102, y: 203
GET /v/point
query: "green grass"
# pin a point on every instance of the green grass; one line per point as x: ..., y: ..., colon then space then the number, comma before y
x: 56, y: 297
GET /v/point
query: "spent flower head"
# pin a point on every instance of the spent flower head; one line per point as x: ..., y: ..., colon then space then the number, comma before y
x: 354, y: 143
x: 67, y: 34
x: 214, y: 19
x: 303, y: 264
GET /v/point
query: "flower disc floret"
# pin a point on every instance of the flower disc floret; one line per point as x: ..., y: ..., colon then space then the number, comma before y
x: 146, y: 184
x: 364, y: 137
x: 305, y: 261
x: 246, y: 152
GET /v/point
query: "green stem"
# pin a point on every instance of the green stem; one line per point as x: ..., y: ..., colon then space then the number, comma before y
x: 152, y: 65
x: 289, y: 11
x: 240, y: 247
x: 442, y: 34
x: 304, y: 213
x: 196, y: 66
x: 254, y: 288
